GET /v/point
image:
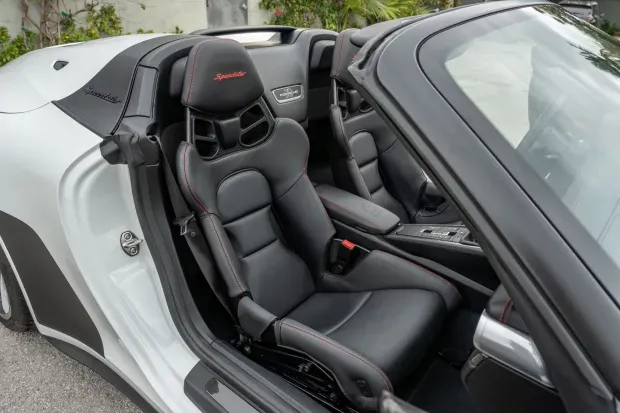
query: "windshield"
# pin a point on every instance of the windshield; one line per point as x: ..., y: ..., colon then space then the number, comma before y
x: 549, y: 83
x: 579, y: 11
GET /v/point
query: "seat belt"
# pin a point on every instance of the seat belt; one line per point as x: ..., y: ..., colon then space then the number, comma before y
x: 185, y: 219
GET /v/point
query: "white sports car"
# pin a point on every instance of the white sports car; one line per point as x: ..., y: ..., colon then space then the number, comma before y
x: 420, y: 215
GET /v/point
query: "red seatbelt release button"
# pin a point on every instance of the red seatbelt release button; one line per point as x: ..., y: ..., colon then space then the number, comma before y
x: 348, y: 245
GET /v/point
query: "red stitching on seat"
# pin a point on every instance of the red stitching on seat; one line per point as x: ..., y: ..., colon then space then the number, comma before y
x: 380, y: 373
x: 191, y: 82
x: 202, y: 206
x: 509, y: 312
x: 433, y: 274
x: 351, y: 212
x: 232, y: 270
x: 189, y: 187
x: 503, y: 313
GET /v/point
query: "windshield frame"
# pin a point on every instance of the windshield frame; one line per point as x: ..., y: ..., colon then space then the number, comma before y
x: 431, y: 56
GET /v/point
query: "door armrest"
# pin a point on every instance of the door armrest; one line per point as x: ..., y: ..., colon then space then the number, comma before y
x: 356, y: 212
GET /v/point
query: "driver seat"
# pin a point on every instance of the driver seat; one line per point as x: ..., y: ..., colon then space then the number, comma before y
x: 270, y: 238
x: 373, y: 163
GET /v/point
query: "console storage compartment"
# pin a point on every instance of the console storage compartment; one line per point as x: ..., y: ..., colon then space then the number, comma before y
x: 357, y: 212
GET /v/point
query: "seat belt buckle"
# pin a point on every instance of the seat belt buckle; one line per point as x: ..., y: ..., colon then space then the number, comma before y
x: 346, y: 256
x: 183, y: 222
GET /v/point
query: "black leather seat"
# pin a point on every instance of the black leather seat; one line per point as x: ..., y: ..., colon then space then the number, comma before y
x: 373, y: 162
x: 270, y: 236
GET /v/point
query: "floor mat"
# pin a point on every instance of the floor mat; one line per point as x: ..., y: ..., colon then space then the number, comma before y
x: 441, y: 391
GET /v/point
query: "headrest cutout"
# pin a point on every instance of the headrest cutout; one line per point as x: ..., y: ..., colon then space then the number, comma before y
x: 202, y: 133
x: 256, y: 125
x: 220, y: 78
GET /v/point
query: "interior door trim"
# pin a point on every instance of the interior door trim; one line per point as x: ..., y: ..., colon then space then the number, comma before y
x: 512, y: 348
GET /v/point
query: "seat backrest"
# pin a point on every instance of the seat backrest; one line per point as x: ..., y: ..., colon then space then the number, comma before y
x: 374, y: 164
x: 266, y: 227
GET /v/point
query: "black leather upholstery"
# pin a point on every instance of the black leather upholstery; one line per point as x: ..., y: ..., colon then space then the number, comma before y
x: 230, y: 82
x: 501, y: 307
x: 355, y: 211
x: 374, y: 164
x: 270, y: 235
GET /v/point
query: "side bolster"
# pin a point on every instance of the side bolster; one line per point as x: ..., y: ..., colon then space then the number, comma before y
x: 361, y: 381
x: 405, y: 178
x: 224, y: 255
x: 309, y: 228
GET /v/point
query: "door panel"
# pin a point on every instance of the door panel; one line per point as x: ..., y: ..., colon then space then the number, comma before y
x: 226, y: 13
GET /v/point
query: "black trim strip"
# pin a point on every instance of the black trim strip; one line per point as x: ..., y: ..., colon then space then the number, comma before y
x: 100, y: 104
x: 53, y: 301
x: 104, y: 371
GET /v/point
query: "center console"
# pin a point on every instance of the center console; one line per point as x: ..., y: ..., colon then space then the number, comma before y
x: 457, y: 233
x: 373, y: 227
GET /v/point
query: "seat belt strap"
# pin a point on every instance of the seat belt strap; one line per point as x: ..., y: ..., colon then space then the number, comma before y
x: 185, y: 219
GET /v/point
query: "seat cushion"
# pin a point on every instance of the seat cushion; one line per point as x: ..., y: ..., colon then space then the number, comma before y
x: 392, y: 328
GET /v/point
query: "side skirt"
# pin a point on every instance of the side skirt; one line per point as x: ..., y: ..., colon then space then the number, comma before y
x: 104, y: 371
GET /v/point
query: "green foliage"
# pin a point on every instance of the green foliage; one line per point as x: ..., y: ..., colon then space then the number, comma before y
x: 610, y: 28
x: 339, y: 14
x: 101, y: 21
x: 302, y: 13
x: 13, y: 47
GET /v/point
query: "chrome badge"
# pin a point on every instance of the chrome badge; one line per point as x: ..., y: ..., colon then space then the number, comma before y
x: 288, y: 93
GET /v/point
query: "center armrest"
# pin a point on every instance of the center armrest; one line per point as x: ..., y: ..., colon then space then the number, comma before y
x: 356, y: 212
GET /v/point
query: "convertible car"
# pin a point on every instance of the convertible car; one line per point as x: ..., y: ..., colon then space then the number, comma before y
x: 418, y: 216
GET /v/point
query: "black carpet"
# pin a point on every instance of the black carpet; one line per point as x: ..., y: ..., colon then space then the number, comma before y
x: 441, y: 391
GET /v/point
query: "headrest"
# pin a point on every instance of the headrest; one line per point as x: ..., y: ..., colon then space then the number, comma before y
x: 220, y: 78
x: 344, y: 54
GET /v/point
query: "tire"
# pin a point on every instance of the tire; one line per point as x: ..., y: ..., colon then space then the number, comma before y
x: 15, y: 316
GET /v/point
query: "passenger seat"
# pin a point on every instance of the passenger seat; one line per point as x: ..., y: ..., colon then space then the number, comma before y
x: 270, y: 238
x: 373, y: 163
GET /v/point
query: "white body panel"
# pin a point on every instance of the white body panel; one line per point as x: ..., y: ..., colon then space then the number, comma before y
x: 30, y: 81
x: 78, y: 204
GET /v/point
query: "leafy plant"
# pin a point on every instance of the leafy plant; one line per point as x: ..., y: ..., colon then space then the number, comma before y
x: 610, y: 28
x: 13, y: 47
x: 57, y: 26
x: 339, y: 14
x: 101, y: 22
x: 302, y: 13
